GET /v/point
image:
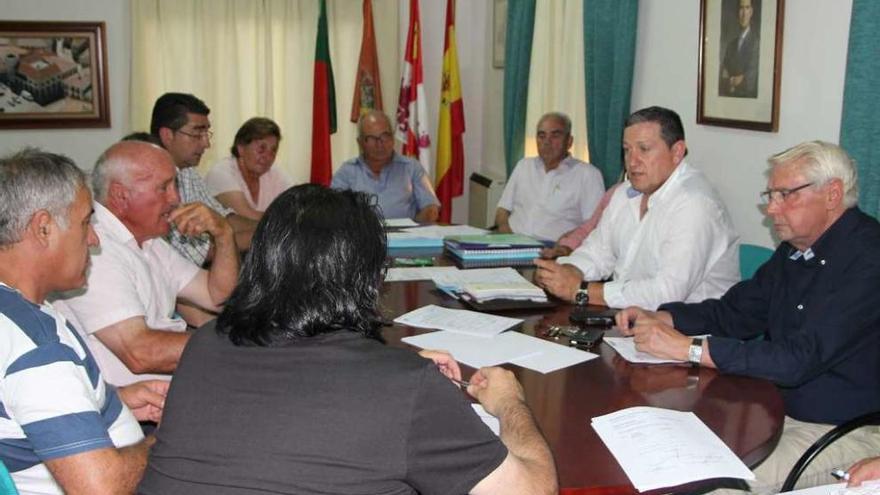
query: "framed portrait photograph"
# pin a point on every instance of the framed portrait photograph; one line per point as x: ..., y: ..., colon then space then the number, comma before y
x: 740, y: 63
x: 53, y: 75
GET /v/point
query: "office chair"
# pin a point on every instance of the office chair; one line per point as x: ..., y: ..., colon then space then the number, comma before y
x: 827, y: 439
x: 751, y: 257
x: 7, y: 487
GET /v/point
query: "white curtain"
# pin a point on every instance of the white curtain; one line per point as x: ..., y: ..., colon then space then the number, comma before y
x: 556, y: 77
x: 248, y: 58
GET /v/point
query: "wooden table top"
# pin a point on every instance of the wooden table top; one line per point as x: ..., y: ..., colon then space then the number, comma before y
x: 746, y: 413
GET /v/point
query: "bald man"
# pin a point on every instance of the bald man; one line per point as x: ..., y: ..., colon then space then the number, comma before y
x: 399, y: 183
x: 127, y: 310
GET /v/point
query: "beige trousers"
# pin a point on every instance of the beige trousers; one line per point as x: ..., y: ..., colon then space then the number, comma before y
x: 797, y: 436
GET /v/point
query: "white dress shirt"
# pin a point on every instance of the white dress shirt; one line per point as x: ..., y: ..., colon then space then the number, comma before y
x: 684, y: 249
x: 548, y: 204
x: 125, y: 281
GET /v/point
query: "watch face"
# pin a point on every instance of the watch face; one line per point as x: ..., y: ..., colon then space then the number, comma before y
x: 581, y: 298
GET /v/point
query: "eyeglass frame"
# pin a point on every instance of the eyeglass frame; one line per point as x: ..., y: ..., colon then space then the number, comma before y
x: 781, y: 194
x: 372, y: 140
x: 206, y: 134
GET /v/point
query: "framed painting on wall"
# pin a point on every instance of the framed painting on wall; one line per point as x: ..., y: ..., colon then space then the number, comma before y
x: 53, y: 75
x: 740, y: 63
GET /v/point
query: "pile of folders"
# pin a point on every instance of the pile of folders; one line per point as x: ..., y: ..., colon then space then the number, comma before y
x: 490, y: 250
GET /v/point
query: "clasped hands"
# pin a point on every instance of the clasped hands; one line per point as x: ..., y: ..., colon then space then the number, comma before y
x: 652, y: 332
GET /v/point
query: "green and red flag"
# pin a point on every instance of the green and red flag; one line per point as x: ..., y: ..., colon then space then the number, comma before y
x: 323, y: 105
x: 450, y: 151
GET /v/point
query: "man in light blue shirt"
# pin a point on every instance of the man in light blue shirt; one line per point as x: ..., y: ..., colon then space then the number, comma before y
x: 400, y: 184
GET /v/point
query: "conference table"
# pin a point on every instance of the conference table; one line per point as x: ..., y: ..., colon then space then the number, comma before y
x: 746, y: 413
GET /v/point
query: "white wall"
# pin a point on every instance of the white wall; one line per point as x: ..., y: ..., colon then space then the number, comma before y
x: 813, y: 64
x: 83, y: 145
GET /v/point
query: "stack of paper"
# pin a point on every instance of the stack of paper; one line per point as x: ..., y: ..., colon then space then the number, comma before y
x: 400, y: 222
x: 410, y: 240
x: 475, y: 339
x: 417, y: 273
x: 487, y: 284
x: 660, y: 448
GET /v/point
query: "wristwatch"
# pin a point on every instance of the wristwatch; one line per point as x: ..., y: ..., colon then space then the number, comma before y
x: 695, y: 351
x: 582, y: 297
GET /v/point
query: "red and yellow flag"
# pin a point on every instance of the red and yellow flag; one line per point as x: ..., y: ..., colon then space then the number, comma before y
x: 323, y: 105
x: 450, y: 151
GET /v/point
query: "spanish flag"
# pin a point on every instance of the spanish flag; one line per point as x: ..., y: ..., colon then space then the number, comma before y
x: 323, y: 105
x: 450, y: 152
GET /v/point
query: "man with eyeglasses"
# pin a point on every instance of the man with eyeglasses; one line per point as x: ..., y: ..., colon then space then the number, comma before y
x: 399, y: 183
x: 552, y: 193
x: 817, y: 304
x: 180, y: 122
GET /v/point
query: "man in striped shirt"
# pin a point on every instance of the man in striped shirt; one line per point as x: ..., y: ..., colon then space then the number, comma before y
x: 62, y: 429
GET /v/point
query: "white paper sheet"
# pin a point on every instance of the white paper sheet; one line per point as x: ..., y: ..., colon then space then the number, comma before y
x: 627, y: 350
x: 867, y: 488
x: 406, y: 274
x: 477, y: 352
x: 457, y: 280
x: 441, y: 231
x: 457, y: 320
x: 660, y: 448
x: 552, y: 357
x: 400, y: 222
x: 491, y: 421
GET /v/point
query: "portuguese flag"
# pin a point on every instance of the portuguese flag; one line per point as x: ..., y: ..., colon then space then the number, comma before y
x: 323, y: 105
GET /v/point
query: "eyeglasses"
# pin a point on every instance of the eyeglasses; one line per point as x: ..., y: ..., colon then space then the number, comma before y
x: 781, y: 194
x: 198, y: 135
x: 384, y: 138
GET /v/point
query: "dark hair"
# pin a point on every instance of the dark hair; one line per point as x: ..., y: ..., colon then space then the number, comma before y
x: 145, y: 137
x: 171, y: 108
x: 255, y: 128
x: 671, y: 129
x: 315, y: 265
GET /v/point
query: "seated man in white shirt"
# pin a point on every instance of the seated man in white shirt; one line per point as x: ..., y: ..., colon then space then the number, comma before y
x: 665, y: 235
x: 127, y: 310
x: 552, y: 193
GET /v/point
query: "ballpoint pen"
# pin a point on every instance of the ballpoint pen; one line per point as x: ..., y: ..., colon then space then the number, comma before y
x: 840, y: 474
x: 461, y: 383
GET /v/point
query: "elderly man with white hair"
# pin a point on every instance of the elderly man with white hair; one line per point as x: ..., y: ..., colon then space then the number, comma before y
x: 127, y: 309
x: 817, y: 304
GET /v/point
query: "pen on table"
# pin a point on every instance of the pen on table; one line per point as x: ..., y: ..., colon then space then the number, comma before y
x: 840, y: 474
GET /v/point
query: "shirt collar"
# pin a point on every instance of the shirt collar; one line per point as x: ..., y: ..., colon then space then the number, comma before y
x: 105, y: 221
x: 662, y: 190
x: 824, y: 245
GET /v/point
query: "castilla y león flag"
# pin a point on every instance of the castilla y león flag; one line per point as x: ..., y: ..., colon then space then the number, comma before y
x: 412, y: 112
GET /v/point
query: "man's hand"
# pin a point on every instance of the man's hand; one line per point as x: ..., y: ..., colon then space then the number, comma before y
x: 555, y: 252
x: 864, y: 470
x: 659, y: 339
x: 562, y: 281
x: 445, y: 362
x: 146, y: 399
x: 626, y: 318
x: 194, y: 219
x: 497, y: 389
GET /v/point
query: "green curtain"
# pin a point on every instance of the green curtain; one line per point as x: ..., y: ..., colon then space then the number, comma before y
x: 517, y: 58
x: 609, y: 55
x: 859, y: 127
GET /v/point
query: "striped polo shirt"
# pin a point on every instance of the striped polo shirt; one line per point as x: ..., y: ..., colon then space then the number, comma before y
x: 53, y: 400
